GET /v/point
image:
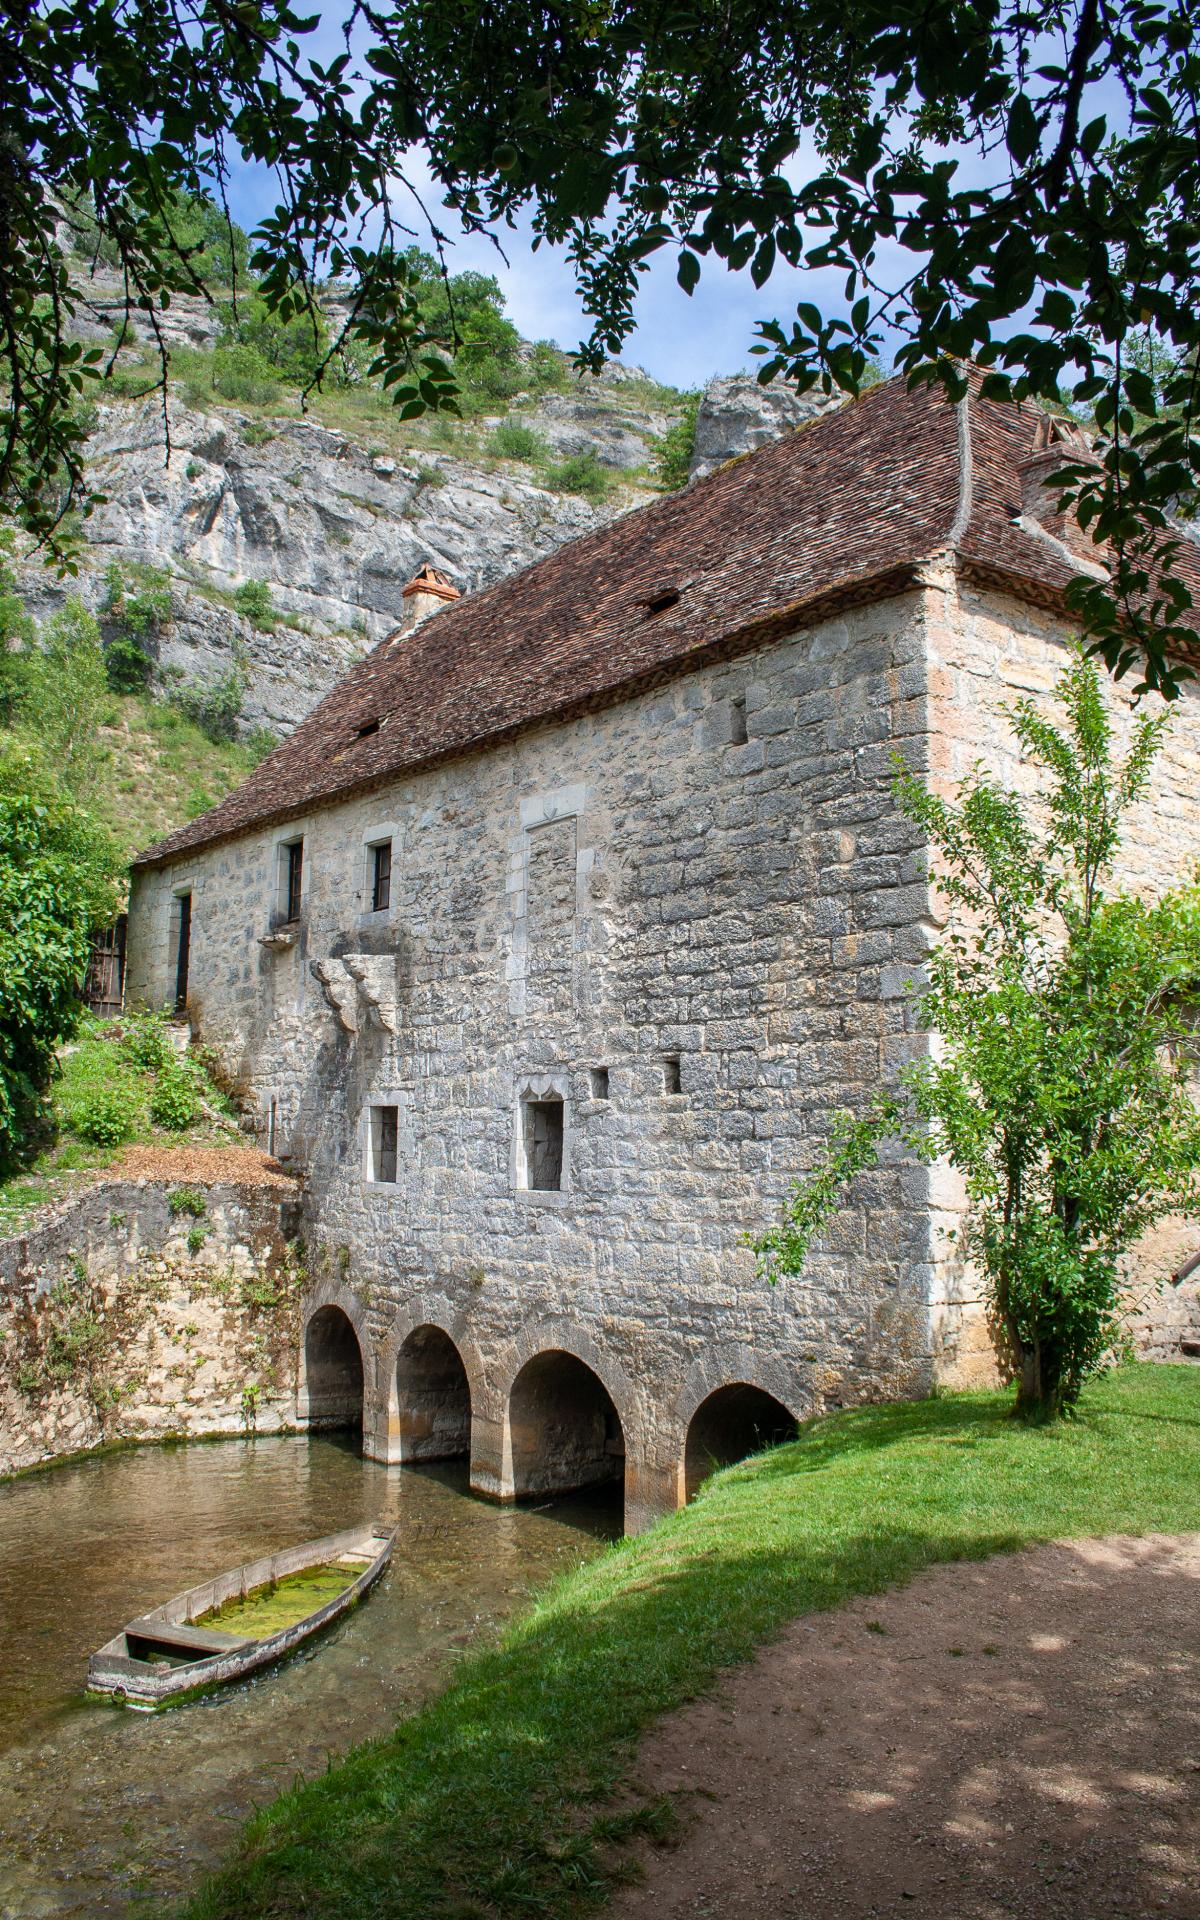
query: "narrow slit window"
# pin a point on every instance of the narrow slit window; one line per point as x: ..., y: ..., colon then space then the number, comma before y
x: 599, y: 1083
x: 381, y: 877
x: 368, y: 727
x: 672, y: 1083
x: 384, y: 1138
x: 292, y: 877
x: 543, y: 1120
x: 737, y: 721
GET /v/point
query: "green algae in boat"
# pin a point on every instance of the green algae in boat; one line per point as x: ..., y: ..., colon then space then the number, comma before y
x: 228, y: 1627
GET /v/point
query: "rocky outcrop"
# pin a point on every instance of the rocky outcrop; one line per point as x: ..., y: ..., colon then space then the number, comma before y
x: 736, y: 415
x: 334, y: 530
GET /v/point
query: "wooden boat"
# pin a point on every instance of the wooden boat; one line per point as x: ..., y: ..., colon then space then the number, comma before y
x: 191, y: 1643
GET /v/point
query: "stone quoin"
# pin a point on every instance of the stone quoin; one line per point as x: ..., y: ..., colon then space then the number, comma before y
x: 549, y: 944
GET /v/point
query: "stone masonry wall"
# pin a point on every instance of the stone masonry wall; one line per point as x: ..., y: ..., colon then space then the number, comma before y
x: 121, y: 1318
x: 986, y: 652
x: 639, y: 891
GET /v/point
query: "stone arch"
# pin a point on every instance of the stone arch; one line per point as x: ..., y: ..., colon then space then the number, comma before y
x: 433, y: 1397
x: 564, y: 1429
x: 733, y: 1405
x: 734, y: 1421
x: 431, y: 1313
x: 333, y: 1381
x: 502, y: 1468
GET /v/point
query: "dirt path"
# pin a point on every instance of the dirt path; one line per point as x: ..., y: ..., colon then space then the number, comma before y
x: 1020, y: 1737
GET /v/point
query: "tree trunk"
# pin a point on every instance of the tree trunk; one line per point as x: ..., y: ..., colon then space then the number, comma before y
x: 1037, y: 1391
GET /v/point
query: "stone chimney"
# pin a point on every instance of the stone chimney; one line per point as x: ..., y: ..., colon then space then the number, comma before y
x: 427, y: 591
x: 1056, y: 444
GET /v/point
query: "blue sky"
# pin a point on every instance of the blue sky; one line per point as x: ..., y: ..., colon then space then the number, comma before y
x: 681, y: 341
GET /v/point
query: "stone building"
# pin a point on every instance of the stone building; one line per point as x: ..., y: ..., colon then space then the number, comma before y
x: 549, y: 943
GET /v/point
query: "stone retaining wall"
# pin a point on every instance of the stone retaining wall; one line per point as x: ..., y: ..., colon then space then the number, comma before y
x: 145, y: 1310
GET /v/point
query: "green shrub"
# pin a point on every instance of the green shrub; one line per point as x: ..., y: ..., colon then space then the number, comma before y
x: 253, y: 599
x: 512, y: 441
x: 134, y: 615
x: 127, y: 665
x: 196, y: 1236
x: 104, y: 1116
x: 287, y: 350
x: 144, y: 1041
x: 583, y: 474
x: 188, y: 1200
x: 239, y: 372
x: 58, y: 880
x: 430, y: 477
x: 175, y: 1102
x: 215, y: 707
x: 548, y: 366
x: 674, y: 457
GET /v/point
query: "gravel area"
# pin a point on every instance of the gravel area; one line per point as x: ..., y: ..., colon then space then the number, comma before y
x: 248, y: 1166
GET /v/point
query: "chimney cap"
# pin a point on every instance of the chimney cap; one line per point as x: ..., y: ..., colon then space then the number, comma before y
x: 431, y: 580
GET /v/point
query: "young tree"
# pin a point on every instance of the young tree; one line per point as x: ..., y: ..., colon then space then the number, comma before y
x: 1059, y: 1083
x: 58, y: 882
x: 988, y: 180
x: 63, y: 690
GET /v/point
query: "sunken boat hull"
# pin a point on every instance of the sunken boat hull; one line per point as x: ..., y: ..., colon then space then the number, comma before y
x: 134, y: 1668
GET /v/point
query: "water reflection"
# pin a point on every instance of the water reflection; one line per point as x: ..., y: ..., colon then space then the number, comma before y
x: 96, y: 1805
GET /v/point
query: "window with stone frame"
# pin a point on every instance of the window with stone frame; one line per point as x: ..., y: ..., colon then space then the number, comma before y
x: 380, y: 858
x: 383, y: 1139
x: 291, y: 880
x: 543, y: 1130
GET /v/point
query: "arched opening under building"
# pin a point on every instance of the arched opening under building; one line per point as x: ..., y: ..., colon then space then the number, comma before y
x: 565, y: 1431
x: 433, y: 1398
x: 731, y: 1424
x: 333, y: 1371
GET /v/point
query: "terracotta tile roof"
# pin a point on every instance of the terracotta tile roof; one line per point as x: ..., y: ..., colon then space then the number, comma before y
x: 839, y: 513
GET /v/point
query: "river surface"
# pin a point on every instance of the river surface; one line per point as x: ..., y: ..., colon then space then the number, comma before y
x: 104, y: 1811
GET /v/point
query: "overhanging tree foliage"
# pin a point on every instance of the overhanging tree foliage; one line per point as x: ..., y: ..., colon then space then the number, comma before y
x: 1063, y: 1008
x: 58, y: 882
x: 1011, y: 183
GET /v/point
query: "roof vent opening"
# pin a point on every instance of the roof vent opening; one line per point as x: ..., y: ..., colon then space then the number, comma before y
x: 368, y: 726
x: 661, y: 602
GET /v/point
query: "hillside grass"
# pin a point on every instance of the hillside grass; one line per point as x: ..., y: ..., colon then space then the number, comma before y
x: 500, y: 1798
x: 367, y: 414
x: 159, y: 769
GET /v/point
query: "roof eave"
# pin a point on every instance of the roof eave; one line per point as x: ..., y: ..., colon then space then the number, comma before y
x: 886, y: 584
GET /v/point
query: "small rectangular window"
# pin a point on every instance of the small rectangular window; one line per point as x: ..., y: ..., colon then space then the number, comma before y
x: 381, y: 877
x: 672, y: 1083
x: 384, y: 1136
x: 291, y: 878
x: 737, y: 721
x: 543, y: 1120
x: 599, y: 1083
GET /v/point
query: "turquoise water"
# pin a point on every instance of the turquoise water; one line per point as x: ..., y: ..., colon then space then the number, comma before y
x: 102, y: 1811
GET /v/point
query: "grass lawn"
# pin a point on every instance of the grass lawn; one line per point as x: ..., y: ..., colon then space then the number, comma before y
x: 497, y: 1799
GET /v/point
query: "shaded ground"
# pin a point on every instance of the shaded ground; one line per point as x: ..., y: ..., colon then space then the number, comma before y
x: 1018, y: 1737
